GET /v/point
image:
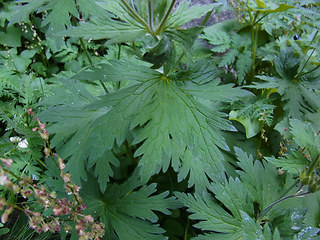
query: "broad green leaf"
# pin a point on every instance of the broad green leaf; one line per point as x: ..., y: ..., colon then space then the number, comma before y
x: 116, y: 31
x: 173, y: 128
x: 184, y: 14
x: 128, y: 209
x: 109, y: 72
x: 166, y: 132
x: 215, y: 92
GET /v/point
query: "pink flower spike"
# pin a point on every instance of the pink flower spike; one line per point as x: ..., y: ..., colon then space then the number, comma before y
x: 34, y: 129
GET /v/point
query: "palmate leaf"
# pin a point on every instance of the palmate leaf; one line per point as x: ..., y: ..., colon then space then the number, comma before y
x: 128, y: 209
x: 257, y: 184
x: 291, y: 83
x: 179, y: 129
x: 173, y: 127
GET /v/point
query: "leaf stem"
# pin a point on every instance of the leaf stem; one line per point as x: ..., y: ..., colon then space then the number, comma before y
x: 254, y: 41
x: 309, y: 71
x: 91, y: 63
x: 143, y: 22
x: 313, y: 165
x: 86, y: 52
x: 150, y: 14
x: 304, y: 65
x: 164, y: 19
x: 186, y: 231
x: 264, y: 211
x: 292, y: 186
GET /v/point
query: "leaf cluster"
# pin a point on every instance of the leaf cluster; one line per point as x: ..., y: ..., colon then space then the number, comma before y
x: 167, y: 136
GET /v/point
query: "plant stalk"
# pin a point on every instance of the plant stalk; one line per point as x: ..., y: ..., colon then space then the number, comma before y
x: 150, y: 14
x: 313, y: 165
x: 91, y: 63
x: 264, y: 211
x: 86, y: 52
x: 143, y: 22
x: 164, y: 19
x: 314, y: 37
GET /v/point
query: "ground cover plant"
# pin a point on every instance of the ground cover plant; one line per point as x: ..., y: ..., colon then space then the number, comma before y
x: 118, y: 122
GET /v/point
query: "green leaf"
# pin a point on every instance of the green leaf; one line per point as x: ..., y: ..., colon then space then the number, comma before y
x: 306, y: 138
x: 213, y: 217
x: 163, y: 136
x: 220, y: 39
x: 229, y: 58
x: 22, y: 11
x: 243, y: 65
x: 289, y: 83
x: 215, y: 92
x: 59, y: 15
x: 128, y: 209
x: 260, y: 4
x: 294, y: 162
x: 190, y: 144
x: 183, y: 14
x: 11, y: 37
x: 185, y: 37
x: 255, y: 175
x: 115, y: 31
x: 82, y: 127
x: 281, y: 8
x: 252, y: 126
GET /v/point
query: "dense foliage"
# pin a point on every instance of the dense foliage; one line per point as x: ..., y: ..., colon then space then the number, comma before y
x: 117, y: 120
